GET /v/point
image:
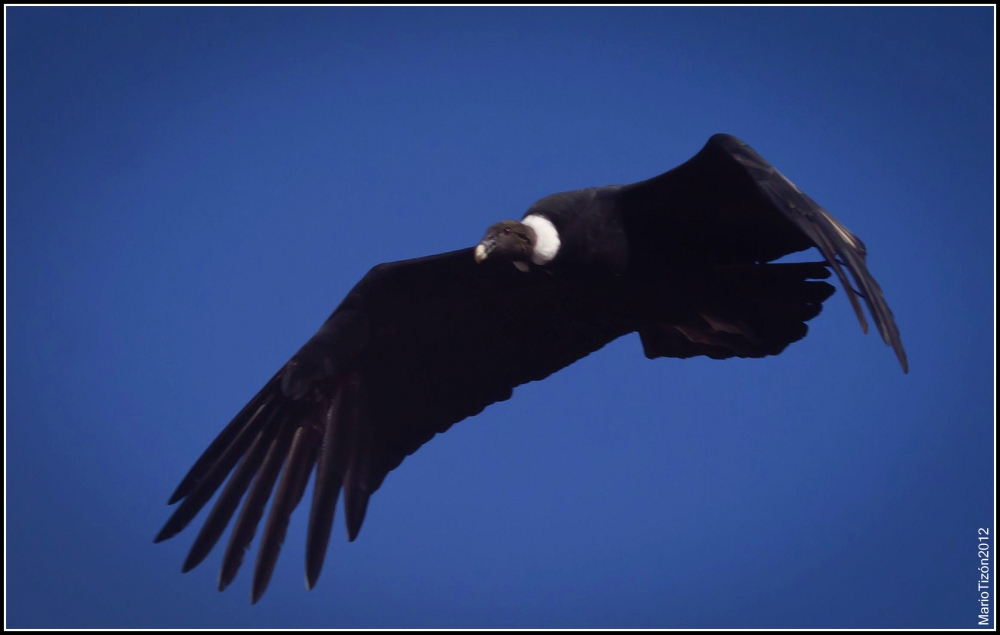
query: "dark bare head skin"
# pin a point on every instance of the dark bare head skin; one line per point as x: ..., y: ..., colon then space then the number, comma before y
x: 508, y: 240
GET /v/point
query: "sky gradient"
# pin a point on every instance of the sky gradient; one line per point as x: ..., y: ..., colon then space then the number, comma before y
x: 191, y: 191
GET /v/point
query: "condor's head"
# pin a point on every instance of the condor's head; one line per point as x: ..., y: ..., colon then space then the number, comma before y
x: 533, y: 240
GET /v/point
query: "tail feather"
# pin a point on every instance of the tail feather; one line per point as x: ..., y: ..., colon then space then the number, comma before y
x: 748, y: 311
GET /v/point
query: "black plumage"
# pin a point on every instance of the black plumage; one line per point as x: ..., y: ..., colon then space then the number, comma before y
x: 684, y: 259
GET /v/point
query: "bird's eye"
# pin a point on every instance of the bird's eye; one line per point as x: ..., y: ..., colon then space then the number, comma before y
x: 506, y: 231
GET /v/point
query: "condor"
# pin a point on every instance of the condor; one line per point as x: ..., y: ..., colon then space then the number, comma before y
x: 683, y: 259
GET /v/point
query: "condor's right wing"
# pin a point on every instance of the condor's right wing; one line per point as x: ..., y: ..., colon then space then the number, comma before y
x: 415, y: 347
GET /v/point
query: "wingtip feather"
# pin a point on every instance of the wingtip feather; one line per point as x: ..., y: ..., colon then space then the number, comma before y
x: 338, y: 422
x: 256, y: 500
x: 355, y: 506
x: 298, y: 467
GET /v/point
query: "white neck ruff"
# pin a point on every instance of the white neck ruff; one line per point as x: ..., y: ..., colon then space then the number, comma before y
x: 546, y: 239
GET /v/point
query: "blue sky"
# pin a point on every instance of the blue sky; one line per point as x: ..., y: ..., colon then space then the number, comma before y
x: 190, y: 192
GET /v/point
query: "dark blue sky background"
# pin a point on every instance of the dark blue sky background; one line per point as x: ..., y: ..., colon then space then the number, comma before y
x: 190, y: 192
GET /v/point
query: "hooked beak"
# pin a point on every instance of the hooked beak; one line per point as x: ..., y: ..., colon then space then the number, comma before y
x: 483, y: 250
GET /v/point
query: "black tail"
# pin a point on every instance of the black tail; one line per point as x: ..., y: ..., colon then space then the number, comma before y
x: 749, y: 311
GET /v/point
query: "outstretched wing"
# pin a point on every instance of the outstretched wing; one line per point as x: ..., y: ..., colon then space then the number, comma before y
x: 415, y: 347
x: 728, y: 206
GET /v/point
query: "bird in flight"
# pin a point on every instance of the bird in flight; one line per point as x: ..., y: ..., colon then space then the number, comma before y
x: 684, y: 259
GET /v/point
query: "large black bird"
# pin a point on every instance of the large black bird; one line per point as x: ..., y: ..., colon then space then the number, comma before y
x: 418, y: 345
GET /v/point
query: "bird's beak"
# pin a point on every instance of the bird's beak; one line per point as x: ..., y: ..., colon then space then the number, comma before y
x: 483, y: 250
